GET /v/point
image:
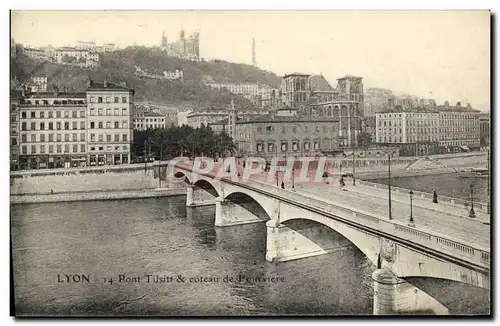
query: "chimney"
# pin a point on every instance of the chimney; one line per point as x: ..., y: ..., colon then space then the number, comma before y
x: 56, y: 91
x: 105, y: 82
x: 89, y: 82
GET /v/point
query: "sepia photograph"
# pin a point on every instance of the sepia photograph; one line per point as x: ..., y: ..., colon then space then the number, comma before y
x: 211, y: 163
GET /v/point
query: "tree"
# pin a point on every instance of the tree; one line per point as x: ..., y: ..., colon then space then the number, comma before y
x: 364, y: 139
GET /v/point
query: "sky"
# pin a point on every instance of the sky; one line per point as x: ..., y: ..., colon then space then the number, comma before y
x: 443, y: 55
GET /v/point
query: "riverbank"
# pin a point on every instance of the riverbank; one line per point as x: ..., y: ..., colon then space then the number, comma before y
x: 96, y: 195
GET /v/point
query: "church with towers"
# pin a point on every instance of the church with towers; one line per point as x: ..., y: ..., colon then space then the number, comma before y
x: 186, y: 47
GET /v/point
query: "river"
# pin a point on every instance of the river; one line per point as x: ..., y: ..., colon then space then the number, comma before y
x: 104, y: 239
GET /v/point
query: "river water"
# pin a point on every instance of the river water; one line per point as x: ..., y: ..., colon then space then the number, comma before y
x: 133, y: 238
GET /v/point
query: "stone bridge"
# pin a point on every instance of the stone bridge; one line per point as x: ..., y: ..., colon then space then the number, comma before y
x: 398, y: 250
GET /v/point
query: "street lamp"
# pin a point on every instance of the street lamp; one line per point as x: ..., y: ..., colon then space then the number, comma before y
x: 412, y: 222
x: 471, y: 212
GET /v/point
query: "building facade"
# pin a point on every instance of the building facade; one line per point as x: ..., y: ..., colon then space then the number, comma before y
x: 449, y: 129
x: 110, y: 127
x: 15, y: 97
x: 53, y: 130
x: 484, y: 129
x: 148, y: 120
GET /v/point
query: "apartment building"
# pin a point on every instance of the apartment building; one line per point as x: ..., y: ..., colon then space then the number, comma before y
x: 109, y: 123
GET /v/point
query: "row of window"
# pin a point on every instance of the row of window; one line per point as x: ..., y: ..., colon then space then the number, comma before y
x: 43, y: 149
x: 58, y: 138
x: 430, y: 130
x: 108, y: 99
x: 294, y: 129
x: 109, y: 124
x: 151, y: 119
x: 50, y: 114
x: 51, y: 125
x: 284, y: 146
x: 109, y: 138
x: 109, y: 111
x: 148, y: 126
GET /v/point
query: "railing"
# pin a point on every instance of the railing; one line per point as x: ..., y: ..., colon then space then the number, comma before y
x: 456, y: 202
x: 444, y: 244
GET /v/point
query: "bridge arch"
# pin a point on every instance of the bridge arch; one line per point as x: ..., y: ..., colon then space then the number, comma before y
x: 368, y: 244
x: 268, y: 205
x: 186, y: 177
x: 208, y: 187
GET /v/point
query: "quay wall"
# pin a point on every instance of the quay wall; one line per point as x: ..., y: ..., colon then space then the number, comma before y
x: 96, y: 195
x: 130, y: 177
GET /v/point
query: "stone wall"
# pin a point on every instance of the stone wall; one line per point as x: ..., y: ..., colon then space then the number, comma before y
x: 82, y: 180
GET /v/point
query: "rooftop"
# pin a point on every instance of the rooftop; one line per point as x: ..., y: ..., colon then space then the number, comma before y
x: 107, y: 87
x: 45, y: 95
x: 320, y: 84
x: 349, y: 77
x: 273, y: 119
x: 296, y: 74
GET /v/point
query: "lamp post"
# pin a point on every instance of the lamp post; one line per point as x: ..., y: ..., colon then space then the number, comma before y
x: 471, y: 212
x: 353, y: 167
x: 276, y: 164
x: 412, y: 222
x: 390, y: 201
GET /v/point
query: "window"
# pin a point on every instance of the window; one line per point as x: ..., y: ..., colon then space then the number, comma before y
x: 82, y: 148
x: 66, y: 137
x: 124, y: 111
x: 108, y: 111
x: 58, y: 137
x: 23, y: 138
x: 101, y: 137
x: 99, y: 99
x: 82, y: 125
x: 33, y: 114
x: 92, y: 125
x: 116, y: 99
x: 51, y: 148
x: 23, y: 126
x: 33, y: 138
x: 66, y: 114
x: 117, y: 111
x: 284, y: 147
x: 100, y: 125
x: 42, y: 137
x: 124, y: 99
x: 66, y: 148
x: 99, y: 111
x: 42, y: 125
x: 13, y: 141
x: 33, y: 149
x: 101, y: 148
x: 269, y: 128
x: 23, y: 115
x: 124, y: 147
x: 316, y: 144
x: 92, y: 99
x: 66, y: 126
x: 33, y: 126
x: 270, y: 147
x: 108, y: 124
x: 124, y: 137
x: 42, y: 114
x: 58, y: 114
x: 92, y: 112
x: 51, y: 137
x: 117, y: 137
x: 75, y: 137
x: 92, y: 137
x: 75, y: 148
x: 42, y: 149
x: 74, y: 114
x: 108, y: 138
x: 316, y: 129
x: 117, y: 148
x: 75, y: 125
x: 59, y: 147
x: 24, y: 150
x: 82, y: 114
x: 117, y: 125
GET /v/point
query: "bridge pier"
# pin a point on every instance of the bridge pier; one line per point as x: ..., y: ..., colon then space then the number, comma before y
x: 394, y: 296
x: 228, y: 213
x: 284, y: 244
x: 196, y: 197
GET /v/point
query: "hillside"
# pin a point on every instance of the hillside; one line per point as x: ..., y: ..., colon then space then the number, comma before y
x: 119, y: 66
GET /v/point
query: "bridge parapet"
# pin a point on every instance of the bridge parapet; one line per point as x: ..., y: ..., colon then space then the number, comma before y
x: 457, y: 202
